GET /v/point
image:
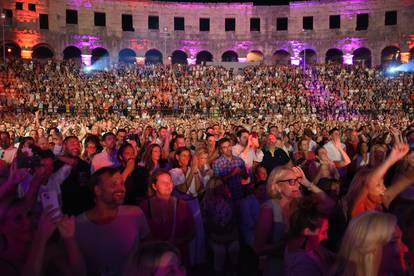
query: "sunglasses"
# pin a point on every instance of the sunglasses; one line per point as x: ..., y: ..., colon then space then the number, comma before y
x: 292, y: 181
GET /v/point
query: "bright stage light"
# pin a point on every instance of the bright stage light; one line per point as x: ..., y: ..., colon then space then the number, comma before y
x: 392, y: 69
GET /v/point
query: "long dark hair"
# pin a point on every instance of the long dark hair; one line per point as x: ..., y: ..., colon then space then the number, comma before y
x: 147, y: 159
x: 178, y: 152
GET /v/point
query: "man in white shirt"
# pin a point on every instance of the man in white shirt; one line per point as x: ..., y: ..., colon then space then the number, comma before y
x: 333, y: 152
x: 248, y: 149
x: 108, y: 157
x: 7, y: 150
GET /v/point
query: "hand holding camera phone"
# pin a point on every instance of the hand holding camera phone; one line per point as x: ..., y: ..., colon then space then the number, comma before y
x: 50, y: 200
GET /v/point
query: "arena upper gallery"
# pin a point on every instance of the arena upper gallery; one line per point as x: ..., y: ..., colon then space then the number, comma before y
x: 370, y: 31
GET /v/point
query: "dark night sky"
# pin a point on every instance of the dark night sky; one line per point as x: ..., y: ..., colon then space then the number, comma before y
x: 256, y: 2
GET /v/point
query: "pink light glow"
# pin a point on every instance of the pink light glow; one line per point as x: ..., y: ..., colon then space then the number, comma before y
x: 140, y: 60
x: 295, y: 60
x: 86, y: 59
x: 348, y: 58
x: 242, y: 59
x: 87, y: 41
x: 191, y: 61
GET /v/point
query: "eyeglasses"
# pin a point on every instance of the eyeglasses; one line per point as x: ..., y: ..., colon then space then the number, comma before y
x: 292, y: 181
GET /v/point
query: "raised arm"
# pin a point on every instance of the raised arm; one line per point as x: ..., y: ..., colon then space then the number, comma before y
x: 345, y: 158
x: 46, y: 227
x: 67, y: 231
x: 398, y: 152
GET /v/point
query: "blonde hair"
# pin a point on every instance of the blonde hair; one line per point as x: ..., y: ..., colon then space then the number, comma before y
x: 358, y: 184
x: 200, y: 151
x: 274, y: 177
x: 361, y: 248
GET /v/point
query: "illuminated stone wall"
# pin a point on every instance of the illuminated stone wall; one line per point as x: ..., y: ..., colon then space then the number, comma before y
x: 26, y: 33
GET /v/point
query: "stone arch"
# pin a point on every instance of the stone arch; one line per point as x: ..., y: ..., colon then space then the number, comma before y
x: 362, y: 56
x: 229, y: 56
x: 255, y: 56
x: 390, y: 54
x: 179, y: 57
x: 13, y: 50
x: 334, y: 55
x: 72, y: 52
x: 281, y: 57
x: 127, y: 55
x: 100, y: 58
x: 42, y: 51
x: 310, y: 56
x: 153, y: 56
x: 204, y: 56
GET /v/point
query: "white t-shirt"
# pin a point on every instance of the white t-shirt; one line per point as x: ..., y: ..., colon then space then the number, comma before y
x: 333, y: 152
x: 8, y: 154
x: 251, y: 156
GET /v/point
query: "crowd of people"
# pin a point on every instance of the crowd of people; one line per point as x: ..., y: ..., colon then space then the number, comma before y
x: 199, y: 170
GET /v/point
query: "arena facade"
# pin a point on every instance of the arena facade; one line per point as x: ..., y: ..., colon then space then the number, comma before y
x: 373, y: 31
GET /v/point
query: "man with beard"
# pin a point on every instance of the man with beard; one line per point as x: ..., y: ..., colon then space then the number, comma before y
x: 107, y: 233
x: 76, y: 197
x: 108, y: 157
x: 248, y: 149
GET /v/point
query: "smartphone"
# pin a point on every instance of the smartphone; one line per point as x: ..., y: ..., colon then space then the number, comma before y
x: 50, y: 199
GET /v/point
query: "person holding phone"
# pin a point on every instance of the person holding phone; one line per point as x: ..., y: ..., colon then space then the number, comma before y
x: 248, y: 149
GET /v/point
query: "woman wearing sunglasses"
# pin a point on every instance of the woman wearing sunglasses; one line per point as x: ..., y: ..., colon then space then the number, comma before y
x: 283, y: 187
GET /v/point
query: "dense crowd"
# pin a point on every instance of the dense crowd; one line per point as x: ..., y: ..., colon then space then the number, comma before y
x: 326, y: 91
x: 120, y: 172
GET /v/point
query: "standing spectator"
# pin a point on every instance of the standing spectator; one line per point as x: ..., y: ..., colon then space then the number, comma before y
x: 76, y: 196
x: 367, y: 252
x: 91, y: 146
x: 231, y: 169
x: 109, y: 226
x: 247, y: 148
x: 108, y: 157
x: 7, y: 150
x: 273, y: 156
x: 220, y: 220
x: 169, y: 218
x: 188, y: 185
